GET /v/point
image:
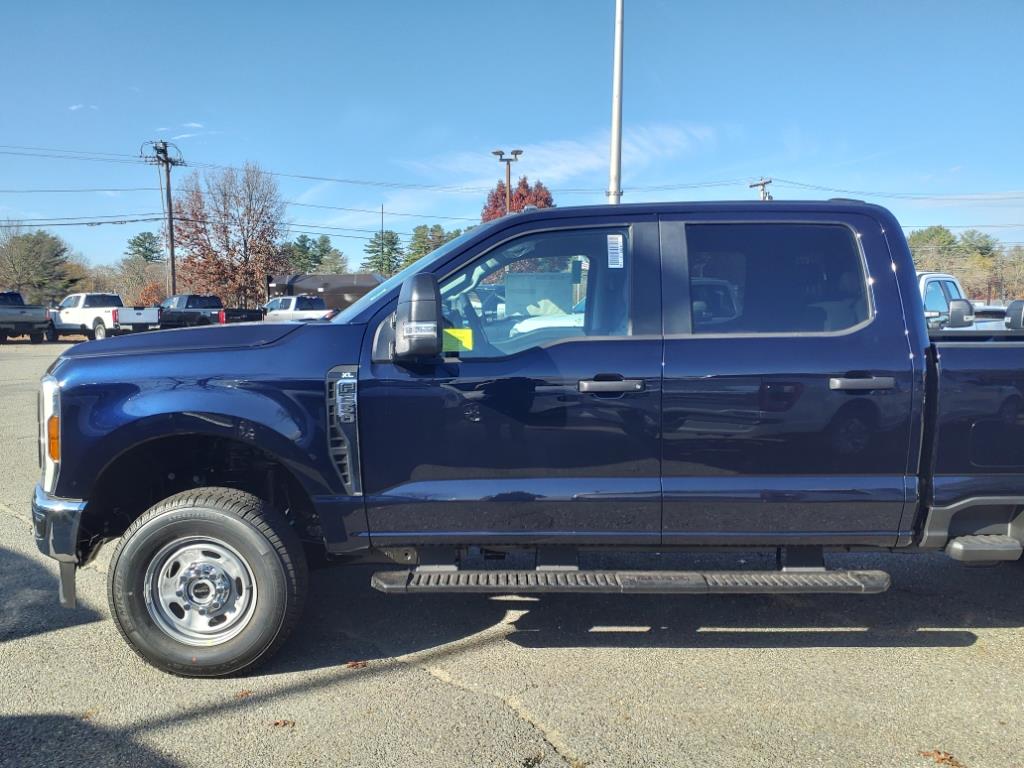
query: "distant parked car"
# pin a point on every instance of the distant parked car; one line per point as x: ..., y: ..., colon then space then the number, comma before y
x: 20, y: 319
x: 191, y: 309
x: 98, y: 315
x: 295, y: 308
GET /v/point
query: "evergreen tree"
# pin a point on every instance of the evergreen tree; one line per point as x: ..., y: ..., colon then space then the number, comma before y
x: 145, y: 246
x: 384, y: 253
x: 426, y: 239
x: 36, y: 264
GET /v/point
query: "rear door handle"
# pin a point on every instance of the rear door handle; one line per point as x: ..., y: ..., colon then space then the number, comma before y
x: 862, y: 384
x: 596, y: 386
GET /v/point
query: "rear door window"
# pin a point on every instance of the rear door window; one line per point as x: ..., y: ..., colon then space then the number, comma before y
x: 309, y: 303
x: 775, y: 278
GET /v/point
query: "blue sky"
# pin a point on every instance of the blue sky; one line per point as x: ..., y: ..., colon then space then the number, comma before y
x: 880, y: 97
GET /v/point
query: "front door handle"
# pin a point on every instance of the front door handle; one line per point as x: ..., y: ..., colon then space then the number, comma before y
x: 613, y: 386
x: 862, y: 384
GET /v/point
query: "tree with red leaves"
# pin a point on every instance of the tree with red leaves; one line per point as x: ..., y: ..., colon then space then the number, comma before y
x: 522, y: 195
x: 228, y: 229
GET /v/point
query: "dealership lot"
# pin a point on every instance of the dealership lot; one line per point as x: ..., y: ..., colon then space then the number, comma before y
x: 934, y: 666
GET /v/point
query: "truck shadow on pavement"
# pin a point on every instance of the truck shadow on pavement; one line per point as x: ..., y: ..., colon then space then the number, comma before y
x: 934, y: 602
x: 56, y: 740
x: 28, y: 599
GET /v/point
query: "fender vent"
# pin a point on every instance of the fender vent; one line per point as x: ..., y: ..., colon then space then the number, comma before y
x: 342, y: 425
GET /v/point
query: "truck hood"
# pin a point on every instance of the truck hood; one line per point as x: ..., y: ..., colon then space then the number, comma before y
x: 236, y: 336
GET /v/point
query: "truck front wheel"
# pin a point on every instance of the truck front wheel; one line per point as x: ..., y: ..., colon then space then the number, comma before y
x: 99, y: 331
x: 207, y: 583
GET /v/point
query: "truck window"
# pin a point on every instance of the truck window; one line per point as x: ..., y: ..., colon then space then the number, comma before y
x: 69, y: 302
x: 97, y: 300
x: 952, y: 289
x: 775, y: 278
x: 530, y: 292
x: 934, y: 298
x: 309, y: 303
x: 11, y: 300
x: 204, y: 302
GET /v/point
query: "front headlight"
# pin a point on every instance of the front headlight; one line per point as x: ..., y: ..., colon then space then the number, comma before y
x: 49, y: 432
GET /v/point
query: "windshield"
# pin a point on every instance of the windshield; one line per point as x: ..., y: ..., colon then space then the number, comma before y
x: 420, y: 265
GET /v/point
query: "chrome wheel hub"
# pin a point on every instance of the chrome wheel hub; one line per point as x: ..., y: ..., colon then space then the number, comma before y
x: 200, y: 591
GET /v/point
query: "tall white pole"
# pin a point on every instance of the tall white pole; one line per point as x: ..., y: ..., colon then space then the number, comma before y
x: 615, y: 170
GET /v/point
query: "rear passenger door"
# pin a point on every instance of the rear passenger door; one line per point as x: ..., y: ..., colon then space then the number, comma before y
x: 788, y: 382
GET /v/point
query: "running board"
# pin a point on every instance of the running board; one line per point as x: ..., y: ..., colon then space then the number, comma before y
x: 984, y: 549
x: 646, y: 582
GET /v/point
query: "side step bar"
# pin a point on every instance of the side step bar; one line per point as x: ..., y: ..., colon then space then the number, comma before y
x: 984, y: 549
x: 644, y: 582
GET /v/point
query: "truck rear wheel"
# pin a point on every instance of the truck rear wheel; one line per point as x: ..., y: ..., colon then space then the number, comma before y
x: 52, y: 335
x: 99, y: 331
x: 207, y: 583
x: 36, y: 338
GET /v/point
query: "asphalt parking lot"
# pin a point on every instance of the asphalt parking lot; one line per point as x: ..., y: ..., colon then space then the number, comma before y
x: 931, y: 673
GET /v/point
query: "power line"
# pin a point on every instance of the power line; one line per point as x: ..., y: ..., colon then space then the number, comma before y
x: 76, y: 189
x: 389, y: 213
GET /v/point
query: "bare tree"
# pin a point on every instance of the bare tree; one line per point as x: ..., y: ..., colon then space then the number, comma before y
x: 228, y: 226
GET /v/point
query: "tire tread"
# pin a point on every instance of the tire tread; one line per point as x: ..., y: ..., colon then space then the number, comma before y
x: 274, y: 528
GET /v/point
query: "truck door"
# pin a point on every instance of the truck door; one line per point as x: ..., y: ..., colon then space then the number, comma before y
x: 68, y: 312
x: 788, y: 382
x: 542, y: 423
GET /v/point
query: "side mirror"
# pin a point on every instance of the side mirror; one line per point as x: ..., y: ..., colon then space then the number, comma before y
x: 418, y: 321
x: 961, y: 314
x: 1015, y: 315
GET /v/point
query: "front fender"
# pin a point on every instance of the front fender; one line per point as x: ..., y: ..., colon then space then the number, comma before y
x: 100, y: 422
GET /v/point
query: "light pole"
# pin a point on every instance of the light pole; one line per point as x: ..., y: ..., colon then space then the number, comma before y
x: 615, y: 166
x: 511, y: 158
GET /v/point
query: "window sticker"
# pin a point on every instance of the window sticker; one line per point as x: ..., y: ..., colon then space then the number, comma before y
x: 457, y: 340
x: 615, y: 260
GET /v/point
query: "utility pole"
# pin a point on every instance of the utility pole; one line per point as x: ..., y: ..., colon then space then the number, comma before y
x: 763, y: 185
x: 162, y: 156
x: 512, y: 157
x: 615, y: 170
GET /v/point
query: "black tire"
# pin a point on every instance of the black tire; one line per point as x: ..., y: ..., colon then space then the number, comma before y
x: 3, y: 338
x: 264, y: 541
x: 52, y: 335
x: 35, y: 338
x: 99, y: 331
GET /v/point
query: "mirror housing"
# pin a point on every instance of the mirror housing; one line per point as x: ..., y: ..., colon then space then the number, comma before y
x: 961, y: 314
x: 1015, y: 315
x: 418, y: 320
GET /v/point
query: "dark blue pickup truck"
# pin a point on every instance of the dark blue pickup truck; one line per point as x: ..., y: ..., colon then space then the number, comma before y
x: 638, y: 377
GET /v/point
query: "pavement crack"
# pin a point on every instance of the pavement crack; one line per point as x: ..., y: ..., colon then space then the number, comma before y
x: 17, y: 515
x: 549, y: 735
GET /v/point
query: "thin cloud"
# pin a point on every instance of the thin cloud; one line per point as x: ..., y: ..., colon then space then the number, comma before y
x: 184, y: 136
x: 562, y: 160
x: 76, y: 107
x: 191, y: 125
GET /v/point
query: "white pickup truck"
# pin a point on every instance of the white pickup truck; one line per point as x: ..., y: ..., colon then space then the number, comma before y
x: 295, y: 308
x: 98, y: 315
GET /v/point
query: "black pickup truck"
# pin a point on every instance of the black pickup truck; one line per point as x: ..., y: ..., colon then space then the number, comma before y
x: 191, y: 309
x: 638, y: 377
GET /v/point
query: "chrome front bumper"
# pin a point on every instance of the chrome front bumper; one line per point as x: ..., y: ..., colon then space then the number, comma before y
x: 55, y: 527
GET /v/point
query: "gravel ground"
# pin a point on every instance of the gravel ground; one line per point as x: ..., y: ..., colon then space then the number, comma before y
x: 934, y: 666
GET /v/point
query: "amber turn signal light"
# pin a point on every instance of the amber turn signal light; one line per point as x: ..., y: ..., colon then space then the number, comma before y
x: 53, y: 438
